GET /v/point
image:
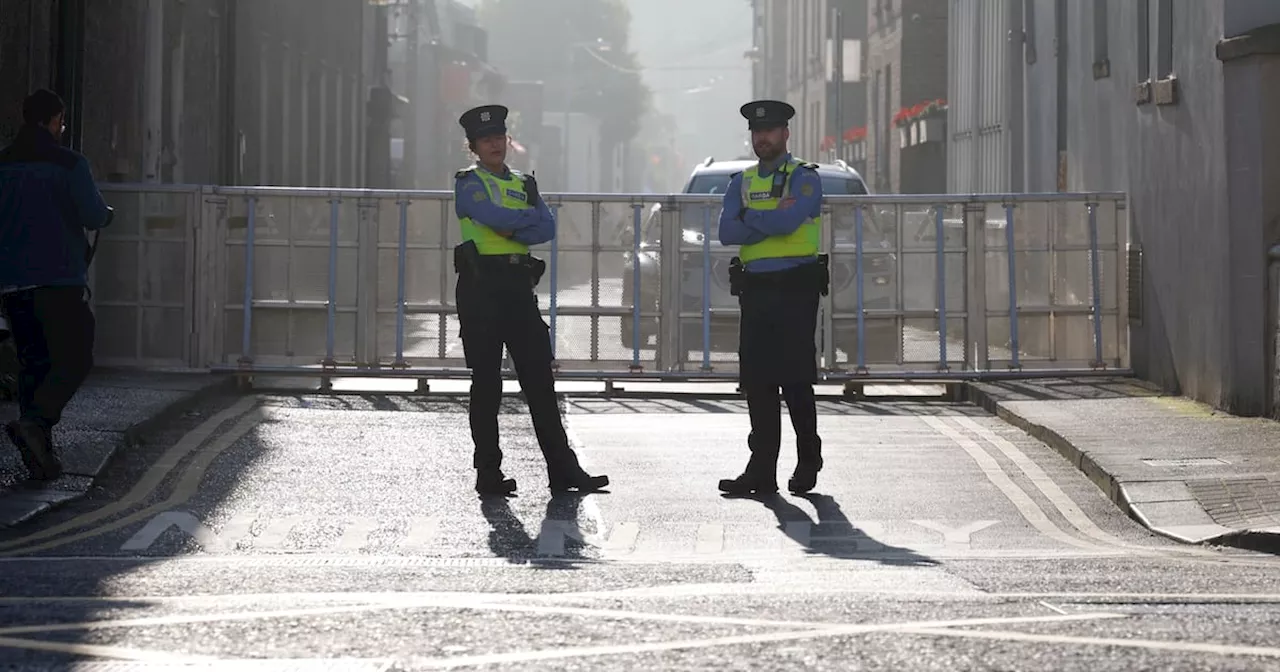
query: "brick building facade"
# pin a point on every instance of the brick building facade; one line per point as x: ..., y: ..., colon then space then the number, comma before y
x: 795, y: 60
x: 907, y: 78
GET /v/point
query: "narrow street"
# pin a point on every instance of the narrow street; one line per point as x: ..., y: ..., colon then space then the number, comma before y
x: 341, y: 532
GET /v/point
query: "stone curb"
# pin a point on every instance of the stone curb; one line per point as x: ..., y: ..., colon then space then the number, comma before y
x: 22, y: 505
x: 1266, y: 541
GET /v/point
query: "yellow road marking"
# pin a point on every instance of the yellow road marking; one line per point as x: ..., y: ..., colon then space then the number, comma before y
x: 100, y: 651
x: 185, y: 490
x: 151, y: 480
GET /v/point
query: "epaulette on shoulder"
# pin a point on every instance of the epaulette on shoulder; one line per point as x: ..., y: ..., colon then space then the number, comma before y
x: 810, y: 166
x: 463, y: 173
x: 733, y: 175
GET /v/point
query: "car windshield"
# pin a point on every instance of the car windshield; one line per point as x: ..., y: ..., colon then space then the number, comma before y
x: 716, y: 183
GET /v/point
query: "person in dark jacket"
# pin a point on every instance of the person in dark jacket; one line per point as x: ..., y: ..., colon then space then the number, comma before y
x: 48, y: 198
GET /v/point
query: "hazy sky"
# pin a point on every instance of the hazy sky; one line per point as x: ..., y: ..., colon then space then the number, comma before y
x: 692, y: 52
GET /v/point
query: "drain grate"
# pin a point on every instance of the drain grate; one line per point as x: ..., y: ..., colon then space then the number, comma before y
x: 1246, y: 503
x: 1186, y: 462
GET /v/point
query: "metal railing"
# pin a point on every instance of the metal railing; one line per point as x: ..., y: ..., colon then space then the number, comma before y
x: 358, y: 282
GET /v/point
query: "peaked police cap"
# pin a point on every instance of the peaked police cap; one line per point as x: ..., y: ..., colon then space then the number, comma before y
x: 765, y: 114
x: 484, y: 120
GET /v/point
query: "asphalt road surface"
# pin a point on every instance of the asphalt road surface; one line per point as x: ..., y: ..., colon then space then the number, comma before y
x: 313, y: 532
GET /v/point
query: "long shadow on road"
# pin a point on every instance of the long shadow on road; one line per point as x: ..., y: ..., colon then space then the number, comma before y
x: 832, y: 533
x: 509, y: 539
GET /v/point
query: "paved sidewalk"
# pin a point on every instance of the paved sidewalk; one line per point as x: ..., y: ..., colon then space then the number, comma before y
x: 111, y: 412
x: 1179, y: 467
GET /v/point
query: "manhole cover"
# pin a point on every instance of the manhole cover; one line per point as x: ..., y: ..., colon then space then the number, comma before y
x: 1187, y: 462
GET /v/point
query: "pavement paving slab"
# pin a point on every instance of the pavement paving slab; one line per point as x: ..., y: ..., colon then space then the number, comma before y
x: 1181, y: 468
x: 109, y: 413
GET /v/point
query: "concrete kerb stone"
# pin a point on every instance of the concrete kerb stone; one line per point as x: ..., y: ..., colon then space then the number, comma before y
x: 1267, y: 541
x: 21, y: 505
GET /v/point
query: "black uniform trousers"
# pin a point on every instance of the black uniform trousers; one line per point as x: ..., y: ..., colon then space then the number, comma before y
x: 776, y: 350
x: 53, y: 330
x: 496, y: 308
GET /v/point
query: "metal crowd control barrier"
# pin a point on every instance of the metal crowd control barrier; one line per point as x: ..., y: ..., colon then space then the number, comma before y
x: 319, y: 282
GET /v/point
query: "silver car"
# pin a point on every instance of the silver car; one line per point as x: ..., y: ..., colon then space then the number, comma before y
x: 712, y: 177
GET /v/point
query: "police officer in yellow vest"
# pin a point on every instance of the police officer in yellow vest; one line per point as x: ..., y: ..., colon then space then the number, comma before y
x: 502, y: 214
x: 772, y: 211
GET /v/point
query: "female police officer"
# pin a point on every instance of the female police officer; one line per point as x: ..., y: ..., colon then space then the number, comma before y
x: 772, y: 211
x: 501, y: 215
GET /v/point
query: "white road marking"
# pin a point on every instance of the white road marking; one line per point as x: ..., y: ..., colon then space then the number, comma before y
x: 956, y: 536
x: 659, y: 591
x: 710, y: 539
x: 1052, y: 608
x: 1026, y: 506
x: 622, y: 538
x: 713, y: 642
x: 1128, y: 643
x: 276, y: 532
x: 237, y: 533
x: 183, y: 520
x: 665, y: 542
x: 355, y: 534
x: 422, y: 532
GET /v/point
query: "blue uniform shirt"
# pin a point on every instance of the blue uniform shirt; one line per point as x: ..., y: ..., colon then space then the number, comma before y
x: 48, y: 199
x: 532, y: 226
x: 757, y: 225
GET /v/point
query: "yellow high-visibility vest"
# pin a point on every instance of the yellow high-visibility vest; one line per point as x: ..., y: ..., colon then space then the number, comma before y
x: 757, y: 194
x: 504, y: 193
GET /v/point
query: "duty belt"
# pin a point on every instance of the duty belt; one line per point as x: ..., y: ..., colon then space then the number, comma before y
x: 467, y: 260
x: 811, y: 276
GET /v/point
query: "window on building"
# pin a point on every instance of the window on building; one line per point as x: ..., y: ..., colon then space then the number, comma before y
x: 1101, y: 50
x: 851, y: 61
x: 1164, y: 41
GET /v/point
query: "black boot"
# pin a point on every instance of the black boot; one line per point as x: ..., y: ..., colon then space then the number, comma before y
x: 35, y: 444
x: 565, y: 474
x: 581, y: 482
x: 809, y: 463
x: 493, y: 483
x: 759, y: 478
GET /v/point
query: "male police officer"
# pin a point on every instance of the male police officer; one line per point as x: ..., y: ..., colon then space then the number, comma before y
x: 502, y: 214
x: 772, y: 211
x: 47, y: 200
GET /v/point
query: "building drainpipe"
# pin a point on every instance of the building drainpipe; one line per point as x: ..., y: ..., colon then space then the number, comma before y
x: 153, y: 111
x: 837, y: 41
x: 70, y: 67
x: 232, y: 161
x: 380, y: 109
x: 1015, y: 103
